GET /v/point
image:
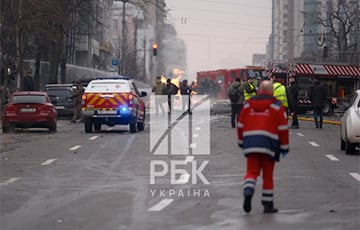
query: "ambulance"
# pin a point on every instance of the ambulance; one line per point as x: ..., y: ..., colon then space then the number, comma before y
x: 113, y: 101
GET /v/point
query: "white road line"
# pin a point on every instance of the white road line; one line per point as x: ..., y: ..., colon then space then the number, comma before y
x: 192, y: 145
x: 161, y: 205
x: 332, y: 157
x: 75, y: 147
x: 47, y: 162
x: 9, y: 181
x: 197, y: 128
x: 300, y: 134
x: 93, y: 138
x: 356, y: 176
x: 314, y: 144
x: 195, y: 135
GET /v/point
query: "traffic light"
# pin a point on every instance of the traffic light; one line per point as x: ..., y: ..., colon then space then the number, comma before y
x: 154, y: 48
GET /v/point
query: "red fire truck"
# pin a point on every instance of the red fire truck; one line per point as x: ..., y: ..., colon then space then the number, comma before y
x: 217, y: 82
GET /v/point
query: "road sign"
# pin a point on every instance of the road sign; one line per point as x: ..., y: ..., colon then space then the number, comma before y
x: 114, y: 62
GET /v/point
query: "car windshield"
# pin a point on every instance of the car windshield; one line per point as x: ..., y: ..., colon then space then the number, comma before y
x: 61, y: 93
x: 107, y: 87
x: 17, y: 99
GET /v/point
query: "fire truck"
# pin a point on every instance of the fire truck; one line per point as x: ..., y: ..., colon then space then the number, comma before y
x: 216, y: 82
x: 341, y: 82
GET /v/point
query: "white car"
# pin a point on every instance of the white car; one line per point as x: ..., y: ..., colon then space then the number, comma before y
x: 350, y: 126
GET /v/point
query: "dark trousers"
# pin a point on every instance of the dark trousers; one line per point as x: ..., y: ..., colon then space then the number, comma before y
x: 318, y: 117
x: 235, y: 111
x: 295, y: 121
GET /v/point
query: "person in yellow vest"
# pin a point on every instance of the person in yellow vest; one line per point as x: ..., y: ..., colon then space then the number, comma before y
x: 280, y: 93
x: 249, y: 88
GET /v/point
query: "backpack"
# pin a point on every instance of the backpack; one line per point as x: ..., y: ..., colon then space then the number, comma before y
x: 235, y: 94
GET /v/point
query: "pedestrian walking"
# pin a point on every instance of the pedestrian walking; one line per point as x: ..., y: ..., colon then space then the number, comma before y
x: 28, y: 82
x: 170, y: 89
x: 263, y: 136
x: 293, y: 97
x: 236, y: 96
x: 76, y: 96
x: 159, y: 89
x: 318, y: 94
x: 185, y: 92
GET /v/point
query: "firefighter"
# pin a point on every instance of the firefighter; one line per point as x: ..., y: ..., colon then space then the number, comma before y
x: 249, y: 88
x: 280, y: 93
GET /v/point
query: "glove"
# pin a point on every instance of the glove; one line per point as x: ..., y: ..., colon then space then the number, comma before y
x: 284, y: 154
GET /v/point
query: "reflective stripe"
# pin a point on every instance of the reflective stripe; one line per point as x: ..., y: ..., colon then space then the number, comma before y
x: 261, y: 132
x: 283, y: 127
x: 240, y: 125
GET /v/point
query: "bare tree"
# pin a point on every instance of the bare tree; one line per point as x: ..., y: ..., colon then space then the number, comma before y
x: 342, y: 25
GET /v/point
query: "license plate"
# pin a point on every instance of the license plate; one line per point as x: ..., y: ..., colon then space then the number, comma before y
x: 59, y: 107
x: 107, y: 112
x: 27, y: 110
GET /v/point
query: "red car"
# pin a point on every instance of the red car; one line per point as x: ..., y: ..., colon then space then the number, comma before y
x: 29, y: 110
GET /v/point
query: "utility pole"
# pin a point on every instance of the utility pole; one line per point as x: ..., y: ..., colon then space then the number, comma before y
x: 123, y: 39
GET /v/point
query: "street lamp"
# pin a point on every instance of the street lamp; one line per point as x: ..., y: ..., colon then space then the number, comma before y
x: 123, y: 43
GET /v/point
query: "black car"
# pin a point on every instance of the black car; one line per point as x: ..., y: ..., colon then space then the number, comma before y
x: 59, y: 95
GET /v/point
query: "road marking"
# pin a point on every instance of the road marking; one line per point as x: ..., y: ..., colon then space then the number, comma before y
x: 161, y: 205
x: 75, y: 147
x: 195, y: 135
x: 192, y: 145
x: 300, y: 134
x: 93, y: 138
x: 332, y: 157
x: 197, y: 128
x: 314, y: 144
x: 9, y: 181
x: 47, y: 162
x: 356, y: 176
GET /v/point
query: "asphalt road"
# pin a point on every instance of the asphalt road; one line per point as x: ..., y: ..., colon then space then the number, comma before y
x: 75, y: 180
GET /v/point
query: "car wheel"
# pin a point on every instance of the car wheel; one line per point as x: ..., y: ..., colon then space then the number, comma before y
x: 53, y: 128
x: 141, y: 124
x: 97, y: 126
x: 349, y: 148
x: 342, y: 144
x: 132, y: 127
x: 88, y: 126
x: 5, y: 129
x: 327, y: 108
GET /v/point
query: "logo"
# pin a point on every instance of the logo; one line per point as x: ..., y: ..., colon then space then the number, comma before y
x: 179, y: 146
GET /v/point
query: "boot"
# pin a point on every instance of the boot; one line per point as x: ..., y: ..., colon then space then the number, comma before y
x: 269, y: 208
x: 248, y: 193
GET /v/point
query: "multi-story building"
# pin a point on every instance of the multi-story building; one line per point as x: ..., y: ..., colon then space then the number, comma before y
x: 302, y: 31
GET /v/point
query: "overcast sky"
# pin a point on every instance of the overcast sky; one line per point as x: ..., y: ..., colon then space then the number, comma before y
x: 221, y: 33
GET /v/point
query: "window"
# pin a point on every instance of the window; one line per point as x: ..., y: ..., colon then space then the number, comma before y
x: 18, y: 99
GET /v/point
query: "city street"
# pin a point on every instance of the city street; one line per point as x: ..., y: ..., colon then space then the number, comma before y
x: 73, y: 180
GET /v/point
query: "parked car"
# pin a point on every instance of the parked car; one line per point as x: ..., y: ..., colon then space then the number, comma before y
x: 60, y: 96
x: 29, y: 109
x: 350, y: 126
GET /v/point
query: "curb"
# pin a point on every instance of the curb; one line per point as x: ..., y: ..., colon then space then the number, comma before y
x: 324, y: 121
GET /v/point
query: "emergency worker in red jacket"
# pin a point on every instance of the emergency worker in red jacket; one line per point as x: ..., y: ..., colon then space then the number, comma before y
x: 263, y: 135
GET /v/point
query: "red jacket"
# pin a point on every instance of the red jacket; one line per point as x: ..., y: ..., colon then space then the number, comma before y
x: 263, y: 127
